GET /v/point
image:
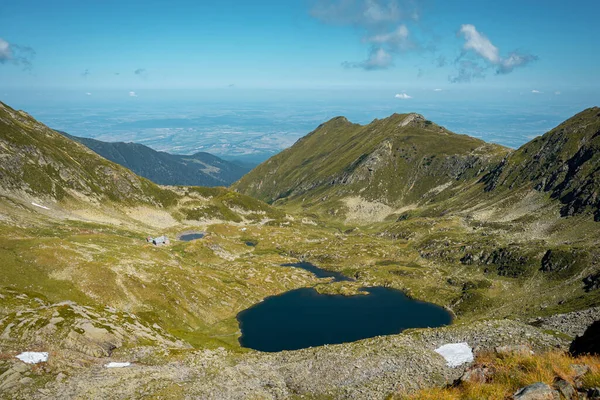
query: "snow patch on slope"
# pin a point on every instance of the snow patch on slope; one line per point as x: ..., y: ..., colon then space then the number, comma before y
x: 117, y: 365
x: 32, y: 357
x: 456, y: 354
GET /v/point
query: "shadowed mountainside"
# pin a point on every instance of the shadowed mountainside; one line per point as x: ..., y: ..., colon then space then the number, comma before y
x: 199, y: 169
x: 564, y: 162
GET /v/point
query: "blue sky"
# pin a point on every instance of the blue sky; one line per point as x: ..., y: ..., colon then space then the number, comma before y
x: 486, y: 68
x: 395, y: 44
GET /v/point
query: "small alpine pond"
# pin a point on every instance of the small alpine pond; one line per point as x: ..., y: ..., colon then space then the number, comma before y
x: 188, y: 237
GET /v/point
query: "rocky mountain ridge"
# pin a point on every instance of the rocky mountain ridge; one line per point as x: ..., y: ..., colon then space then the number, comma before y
x: 405, y: 162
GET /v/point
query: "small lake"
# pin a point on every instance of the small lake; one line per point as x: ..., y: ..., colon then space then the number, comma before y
x: 319, y: 273
x: 304, y: 318
x: 188, y: 237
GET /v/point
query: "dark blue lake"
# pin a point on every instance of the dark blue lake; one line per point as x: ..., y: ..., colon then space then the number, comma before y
x: 304, y: 318
x: 191, y: 236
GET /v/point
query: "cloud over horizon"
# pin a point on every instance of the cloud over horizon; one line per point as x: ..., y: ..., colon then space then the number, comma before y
x: 11, y: 53
x: 403, y: 96
x: 378, y: 59
x: 386, y: 27
x: 382, y: 23
x: 486, y: 54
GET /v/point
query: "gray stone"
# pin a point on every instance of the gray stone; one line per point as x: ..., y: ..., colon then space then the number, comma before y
x: 565, y: 389
x: 536, y: 391
x: 580, y: 370
x: 476, y: 374
x: 26, y: 381
x: 573, y: 324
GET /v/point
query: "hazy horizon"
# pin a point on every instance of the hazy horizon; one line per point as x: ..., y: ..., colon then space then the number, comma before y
x: 254, y: 125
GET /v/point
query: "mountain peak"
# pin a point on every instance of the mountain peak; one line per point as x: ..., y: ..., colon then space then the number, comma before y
x: 394, y: 161
x: 411, y: 118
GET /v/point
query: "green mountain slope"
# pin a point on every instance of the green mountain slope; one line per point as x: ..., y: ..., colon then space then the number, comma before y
x: 564, y: 162
x: 40, y: 165
x: 398, y: 161
x: 200, y: 169
x: 40, y: 162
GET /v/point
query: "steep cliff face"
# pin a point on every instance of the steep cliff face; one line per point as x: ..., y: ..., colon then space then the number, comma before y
x: 399, y: 160
x: 564, y: 162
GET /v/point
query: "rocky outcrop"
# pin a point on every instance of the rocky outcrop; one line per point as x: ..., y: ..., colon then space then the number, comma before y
x: 557, y: 260
x: 589, y: 342
x: 372, y: 368
x: 89, y: 331
x: 537, y: 391
x: 572, y: 324
x: 592, y: 282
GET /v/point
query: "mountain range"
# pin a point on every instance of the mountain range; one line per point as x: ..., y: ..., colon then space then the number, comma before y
x: 199, y: 169
x: 406, y: 162
x: 507, y: 241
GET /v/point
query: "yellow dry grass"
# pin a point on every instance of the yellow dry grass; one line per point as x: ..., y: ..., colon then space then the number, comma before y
x: 511, y: 372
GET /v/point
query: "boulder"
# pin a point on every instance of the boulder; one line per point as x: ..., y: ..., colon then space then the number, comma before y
x: 566, y: 390
x: 589, y: 343
x: 579, y: 371
x: 476, y: 374
x: 537, y: 391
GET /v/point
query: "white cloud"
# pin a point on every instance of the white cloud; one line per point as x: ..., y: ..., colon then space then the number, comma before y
x: 382, y: 24
x: 364, y: 12
x: 403, y: 96
x: 5, y: 52
x: 11, y: 53
x: 437, y: 90
x: 88, y: 94
x: 477, y: 43
x: 397, y: 40
x: 132, y: 94
x: 378, y: 59
x: 513, y: 61
x: 557, y: 93
x: 376, y: 13
x: 535, y: 91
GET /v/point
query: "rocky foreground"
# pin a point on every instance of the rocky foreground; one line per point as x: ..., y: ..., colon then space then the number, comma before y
x: 372, y: 368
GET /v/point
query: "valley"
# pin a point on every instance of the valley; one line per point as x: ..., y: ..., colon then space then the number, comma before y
x: 499, y: 238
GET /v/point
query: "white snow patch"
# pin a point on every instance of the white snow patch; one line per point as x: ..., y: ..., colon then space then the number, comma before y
x: 117, y: 365
x: 455, y: 354
x: 31, y: 357
x: 39, y: 205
